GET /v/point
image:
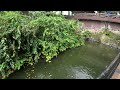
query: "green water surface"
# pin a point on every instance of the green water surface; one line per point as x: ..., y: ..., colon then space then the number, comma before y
x: 85, y: 62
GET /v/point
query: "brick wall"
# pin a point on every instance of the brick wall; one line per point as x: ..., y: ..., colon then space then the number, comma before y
x: 98, y: 25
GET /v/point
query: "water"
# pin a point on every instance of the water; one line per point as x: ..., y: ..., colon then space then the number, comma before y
x: 85, y: 62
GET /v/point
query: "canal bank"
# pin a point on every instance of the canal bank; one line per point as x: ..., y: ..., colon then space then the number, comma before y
x: 116, y: 74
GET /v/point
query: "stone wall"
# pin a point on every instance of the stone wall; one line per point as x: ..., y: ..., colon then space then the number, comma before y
x: 99, y: 25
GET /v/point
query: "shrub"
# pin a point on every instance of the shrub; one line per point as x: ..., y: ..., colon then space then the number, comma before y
x: 24, y: 39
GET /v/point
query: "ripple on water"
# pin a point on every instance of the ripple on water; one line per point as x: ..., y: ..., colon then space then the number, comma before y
x: 79, y: 73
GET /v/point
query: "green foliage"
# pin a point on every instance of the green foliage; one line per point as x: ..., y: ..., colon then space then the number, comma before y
x: 24, y: 39
x: 110, y: 34
x: 86, y: 34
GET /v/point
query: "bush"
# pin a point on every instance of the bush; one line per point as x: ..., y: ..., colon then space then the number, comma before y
x: 25, y: 39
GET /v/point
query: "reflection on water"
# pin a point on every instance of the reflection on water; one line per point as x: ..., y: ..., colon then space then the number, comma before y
x: 86, y: 62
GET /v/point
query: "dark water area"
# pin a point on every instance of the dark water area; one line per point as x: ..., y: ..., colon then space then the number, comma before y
x: 85, y: 62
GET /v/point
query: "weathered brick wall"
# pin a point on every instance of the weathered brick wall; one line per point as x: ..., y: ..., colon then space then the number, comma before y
x: 114, y: 26
x: 99, y: 25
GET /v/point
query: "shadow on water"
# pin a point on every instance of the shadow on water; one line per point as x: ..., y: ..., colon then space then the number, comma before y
x: 85, y: 62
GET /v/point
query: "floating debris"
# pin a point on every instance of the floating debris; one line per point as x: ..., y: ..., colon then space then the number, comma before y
x: 49, y: 61
x: 32, y: 70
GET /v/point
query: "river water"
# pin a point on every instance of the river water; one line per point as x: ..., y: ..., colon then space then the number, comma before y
x: 85, y: 62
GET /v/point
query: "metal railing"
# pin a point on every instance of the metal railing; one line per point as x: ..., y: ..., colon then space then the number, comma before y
x: 108, y: 72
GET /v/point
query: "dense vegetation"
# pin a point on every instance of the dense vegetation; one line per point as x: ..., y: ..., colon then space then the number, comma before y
x: 25, y: 39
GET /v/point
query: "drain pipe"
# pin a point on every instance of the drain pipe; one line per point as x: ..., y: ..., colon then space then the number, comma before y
x: 108, y: 72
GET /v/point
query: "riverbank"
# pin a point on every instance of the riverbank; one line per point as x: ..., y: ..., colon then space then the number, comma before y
x: 116, y: 74
x: 107, y: 37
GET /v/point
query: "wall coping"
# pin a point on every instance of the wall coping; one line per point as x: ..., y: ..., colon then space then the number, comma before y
x: 99, y: 17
